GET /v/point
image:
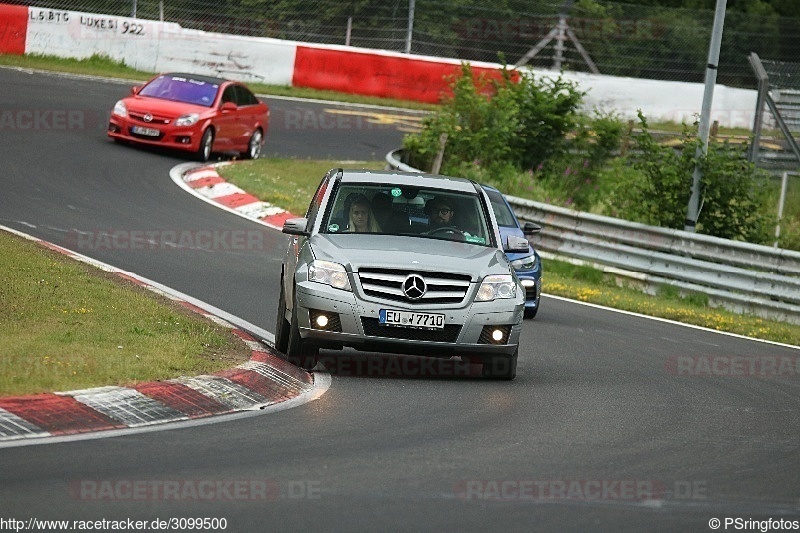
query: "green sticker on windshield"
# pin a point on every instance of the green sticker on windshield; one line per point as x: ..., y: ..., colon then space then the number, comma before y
x: 396, y: 192
x: 333, y: 228
x: 474, y: 238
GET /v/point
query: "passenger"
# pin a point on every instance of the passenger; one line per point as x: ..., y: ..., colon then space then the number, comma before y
x: 360, y: 218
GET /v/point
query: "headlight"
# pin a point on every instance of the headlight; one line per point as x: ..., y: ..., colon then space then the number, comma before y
x: 120, y: 109
x: 495, y: 287
x: 332, y: 274
x: 187, y: 120
x: 526, y: 263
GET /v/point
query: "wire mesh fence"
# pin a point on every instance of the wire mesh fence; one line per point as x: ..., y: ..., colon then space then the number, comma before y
x: 620, y: 39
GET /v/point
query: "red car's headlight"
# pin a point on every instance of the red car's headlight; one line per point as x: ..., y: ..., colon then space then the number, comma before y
x: 187, y: 120
x: 120, y: 109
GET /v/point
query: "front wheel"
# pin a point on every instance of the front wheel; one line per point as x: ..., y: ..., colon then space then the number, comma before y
x: 206, y: 142
x: 282, y: 325
x: 300, y: 352
x: 501, y: 367
x: 255, y: 145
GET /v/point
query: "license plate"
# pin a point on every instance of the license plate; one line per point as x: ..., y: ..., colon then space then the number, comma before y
x: 411, y: 319
x: 150, y: 132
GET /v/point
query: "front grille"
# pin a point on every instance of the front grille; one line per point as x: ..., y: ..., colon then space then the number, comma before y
x: 442, y: 287
x: 373, y: 328
x: 155, y: 121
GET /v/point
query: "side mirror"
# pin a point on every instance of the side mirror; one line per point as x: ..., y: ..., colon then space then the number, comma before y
x: 516, y: 244
x: 296, y: 226
x: 135, y: 89
x: 228, y: 106
x: 531, y: 228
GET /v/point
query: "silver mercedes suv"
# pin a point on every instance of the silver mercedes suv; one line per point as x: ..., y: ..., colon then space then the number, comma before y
x: 400, y: 263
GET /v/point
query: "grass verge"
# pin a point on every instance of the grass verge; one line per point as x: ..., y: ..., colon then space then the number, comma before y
x: 66, y: 325
x: 287, y: 183
x: 291, y: 183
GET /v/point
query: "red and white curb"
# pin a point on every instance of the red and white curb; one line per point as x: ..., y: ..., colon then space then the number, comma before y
x: 263, y: 381
x: 205, y: 183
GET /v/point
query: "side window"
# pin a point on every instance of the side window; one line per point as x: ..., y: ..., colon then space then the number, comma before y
x: 229, y: 95
x: 244, y: 96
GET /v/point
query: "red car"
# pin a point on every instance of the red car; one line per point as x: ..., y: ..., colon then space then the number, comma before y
x: 198, y: 114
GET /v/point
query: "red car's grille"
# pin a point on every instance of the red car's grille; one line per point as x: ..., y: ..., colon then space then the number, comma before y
x: 154, y: 120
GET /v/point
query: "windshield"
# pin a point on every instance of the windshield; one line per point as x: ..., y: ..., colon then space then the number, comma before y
x: 397, y: 210
x: 182, y: 89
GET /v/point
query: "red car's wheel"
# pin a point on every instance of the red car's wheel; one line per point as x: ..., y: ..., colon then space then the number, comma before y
x: 255, y: 144
x: 204, y: 151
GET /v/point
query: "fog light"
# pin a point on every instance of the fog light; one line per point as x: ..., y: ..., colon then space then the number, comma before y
x: 324, y: 320
x: 528, y: 283
x: 497, y: 335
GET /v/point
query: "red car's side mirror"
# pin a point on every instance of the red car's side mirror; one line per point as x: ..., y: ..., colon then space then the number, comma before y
x: 135, y: 89
x: 228, y: 106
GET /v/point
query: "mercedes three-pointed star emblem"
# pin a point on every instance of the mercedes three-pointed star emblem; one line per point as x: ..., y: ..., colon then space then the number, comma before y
x: 414, y: 287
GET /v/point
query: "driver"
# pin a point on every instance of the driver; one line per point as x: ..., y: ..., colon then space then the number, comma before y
x: 440, y: 211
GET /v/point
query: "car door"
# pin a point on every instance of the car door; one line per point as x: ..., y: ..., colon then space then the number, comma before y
x: 250, y: 114
x: 227, y: 122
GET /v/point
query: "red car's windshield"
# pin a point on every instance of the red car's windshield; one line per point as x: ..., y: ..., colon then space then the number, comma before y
x: 182, y: 89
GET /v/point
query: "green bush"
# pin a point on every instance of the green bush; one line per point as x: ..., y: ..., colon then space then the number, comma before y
x: 498, y: 122
x: 732, y: 193
x: 658, y: 192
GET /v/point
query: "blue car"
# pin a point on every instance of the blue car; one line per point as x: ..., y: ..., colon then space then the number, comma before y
x: 528, y: 265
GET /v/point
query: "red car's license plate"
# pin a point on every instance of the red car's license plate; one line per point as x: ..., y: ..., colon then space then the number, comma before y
x: 411, y: 319
x: 150, y: 132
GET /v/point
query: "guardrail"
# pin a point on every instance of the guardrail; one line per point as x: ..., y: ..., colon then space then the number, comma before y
x: 739, y: 276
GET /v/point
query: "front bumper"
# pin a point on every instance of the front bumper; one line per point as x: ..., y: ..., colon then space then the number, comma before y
x: 532, y: 283
x: 353, y: 322
x: 176, y: 138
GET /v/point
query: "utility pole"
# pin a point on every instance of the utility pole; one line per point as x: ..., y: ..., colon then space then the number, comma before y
x: 693, y: 210
x: 410, y: 25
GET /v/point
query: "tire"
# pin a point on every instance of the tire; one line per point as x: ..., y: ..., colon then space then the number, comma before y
x: 206, y: 143
x: 254, y: 145
x: 501, y: 367
x: 299, y: 352
x: 281, y: 325
x: 531, y: 313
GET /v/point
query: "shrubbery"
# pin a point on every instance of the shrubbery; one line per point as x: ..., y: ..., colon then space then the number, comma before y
x: 528, y: 138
